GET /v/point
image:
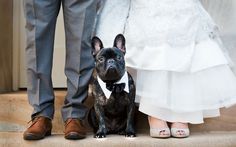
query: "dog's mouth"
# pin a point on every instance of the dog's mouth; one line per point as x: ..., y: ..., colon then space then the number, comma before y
x: 112, y: 74
x: 111, y: 71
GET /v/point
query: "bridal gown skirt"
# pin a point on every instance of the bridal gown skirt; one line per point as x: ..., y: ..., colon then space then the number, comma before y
x: 175, y: 55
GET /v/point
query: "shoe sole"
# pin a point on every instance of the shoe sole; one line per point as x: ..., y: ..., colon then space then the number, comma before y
x: 74, y: 136
x: 31, y: 136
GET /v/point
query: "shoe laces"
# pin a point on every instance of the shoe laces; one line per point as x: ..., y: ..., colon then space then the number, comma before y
x: 33, y: 120
x: 70, y: 120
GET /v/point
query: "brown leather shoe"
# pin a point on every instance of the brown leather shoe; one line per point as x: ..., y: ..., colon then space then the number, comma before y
x: 74, y: 129
x: 40, y: 127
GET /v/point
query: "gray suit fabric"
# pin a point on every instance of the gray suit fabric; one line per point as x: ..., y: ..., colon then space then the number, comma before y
x: 41, y: 16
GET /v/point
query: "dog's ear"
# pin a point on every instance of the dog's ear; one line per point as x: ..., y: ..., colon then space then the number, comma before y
x: 96, y: 45
x: 119, y: 43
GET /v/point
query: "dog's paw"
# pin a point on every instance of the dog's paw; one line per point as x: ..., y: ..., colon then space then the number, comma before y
x: 130, y: 134
x: 122, y: 132
x: 130, y: 131
x: 100, y: 135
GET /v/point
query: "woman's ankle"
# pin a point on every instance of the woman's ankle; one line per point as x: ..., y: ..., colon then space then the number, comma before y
x: 179, y: 125
x: 156, y: 122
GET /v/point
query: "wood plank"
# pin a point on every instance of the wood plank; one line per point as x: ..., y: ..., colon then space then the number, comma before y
x: 6, y: 31
x: 216, y: 139
x: 15, y: 112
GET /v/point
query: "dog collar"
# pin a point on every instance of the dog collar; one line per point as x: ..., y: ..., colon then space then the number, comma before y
x: 107, y: 92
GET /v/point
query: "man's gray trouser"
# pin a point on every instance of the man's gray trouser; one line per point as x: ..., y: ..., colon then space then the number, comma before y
x: 41, y: 16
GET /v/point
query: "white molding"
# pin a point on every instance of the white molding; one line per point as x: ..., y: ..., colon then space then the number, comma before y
x: 16, y: 43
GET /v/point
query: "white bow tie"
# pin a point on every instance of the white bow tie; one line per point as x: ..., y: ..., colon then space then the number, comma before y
x: 107, y: 92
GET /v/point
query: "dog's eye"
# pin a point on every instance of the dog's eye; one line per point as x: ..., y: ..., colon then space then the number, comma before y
x: 101, y: 59
x: 118, y: 57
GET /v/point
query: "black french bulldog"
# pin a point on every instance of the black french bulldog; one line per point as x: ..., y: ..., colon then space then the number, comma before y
x: 114, y: 108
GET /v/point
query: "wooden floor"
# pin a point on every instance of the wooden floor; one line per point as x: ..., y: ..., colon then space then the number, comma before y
x: 15, y: 113
x: 210, y: 139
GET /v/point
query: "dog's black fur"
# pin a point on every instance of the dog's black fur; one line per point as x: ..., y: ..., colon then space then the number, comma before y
x: 116, y: 114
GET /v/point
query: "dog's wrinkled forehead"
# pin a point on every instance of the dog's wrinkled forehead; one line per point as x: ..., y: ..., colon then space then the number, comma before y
x: 110, y: 52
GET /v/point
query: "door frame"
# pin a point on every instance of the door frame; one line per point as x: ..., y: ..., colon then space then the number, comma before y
x: 16, y: 42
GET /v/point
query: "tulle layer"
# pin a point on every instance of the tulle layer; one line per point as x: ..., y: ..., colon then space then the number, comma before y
x: 191, y: 58
x: 179, y: 94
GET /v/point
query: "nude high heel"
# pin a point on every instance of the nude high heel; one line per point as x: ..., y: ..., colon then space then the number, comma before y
x: 159, y: 132
x: 180, y: 132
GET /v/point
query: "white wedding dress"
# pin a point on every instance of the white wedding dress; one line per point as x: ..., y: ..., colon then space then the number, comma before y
x: 181, y: 68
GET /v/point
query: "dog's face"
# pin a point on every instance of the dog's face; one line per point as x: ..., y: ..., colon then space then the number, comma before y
x: 110, y: 62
